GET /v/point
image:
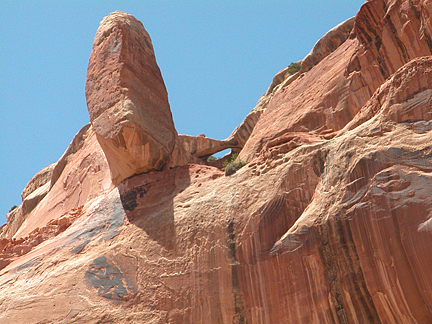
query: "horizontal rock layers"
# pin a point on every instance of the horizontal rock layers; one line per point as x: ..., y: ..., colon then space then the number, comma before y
x: 329, y: 222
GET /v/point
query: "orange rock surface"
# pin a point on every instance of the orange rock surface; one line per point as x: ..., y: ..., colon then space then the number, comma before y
x: 127, y: 99
x: 328, y: 222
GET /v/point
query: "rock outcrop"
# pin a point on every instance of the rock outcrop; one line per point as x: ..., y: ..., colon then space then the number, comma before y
x: 201, y: 146
x: 127, y: 99
x: 39, y: 179
x: 327, y: 44
x: 325, y: 100
x: 329, y: 222
x: 128, y: 104
x: 84, y: 176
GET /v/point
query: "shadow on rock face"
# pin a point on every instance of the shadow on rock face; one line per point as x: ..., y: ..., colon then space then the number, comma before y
x: 112, y: 283
x: 147, y: 200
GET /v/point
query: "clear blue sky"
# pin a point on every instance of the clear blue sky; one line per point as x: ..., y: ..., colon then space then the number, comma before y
x: 217, y: 58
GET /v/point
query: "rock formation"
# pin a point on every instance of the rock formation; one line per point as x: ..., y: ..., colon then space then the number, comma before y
x: 327, y: 44
x: 329, y: 221
x: 127, y: 99
x: 323, y: 102
x: 202, y: 146
x: 128, y: 104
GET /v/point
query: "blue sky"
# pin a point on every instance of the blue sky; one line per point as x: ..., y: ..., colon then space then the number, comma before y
x: 217, y: 58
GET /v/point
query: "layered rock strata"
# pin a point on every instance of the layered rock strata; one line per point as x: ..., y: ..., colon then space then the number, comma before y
x: 329, y: 222
x: 326, y: 45
x: 39, y: 179
x: 84, y: 176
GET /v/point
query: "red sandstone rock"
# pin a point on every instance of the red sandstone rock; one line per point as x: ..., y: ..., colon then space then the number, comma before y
x: 128, y: 104
x: 327, y: 44
x: 405, y: 97
x: 39, y: 179
x: 201, y: 146
x: 10, y: 250
x: 329, y: 222
x: 127, y: 99
x: 385, y: 36
x: 84, y: 177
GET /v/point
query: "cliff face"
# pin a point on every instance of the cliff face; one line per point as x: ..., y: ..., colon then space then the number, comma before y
x: 328, y: 222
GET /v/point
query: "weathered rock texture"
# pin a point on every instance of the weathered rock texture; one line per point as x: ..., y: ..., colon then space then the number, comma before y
x: 127, y: 99
x: 84, y: 176
x: 128, y: 104
x: 201, y: 146
x: 326, y: 98
x: 329, y: 222
x: 39, y: 179
x: 327, y: 44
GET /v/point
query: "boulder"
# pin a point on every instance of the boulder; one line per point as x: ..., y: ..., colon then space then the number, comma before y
x: 127, y: 100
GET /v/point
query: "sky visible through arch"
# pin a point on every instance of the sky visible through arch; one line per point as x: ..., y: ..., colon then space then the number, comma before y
x: 216, y: 57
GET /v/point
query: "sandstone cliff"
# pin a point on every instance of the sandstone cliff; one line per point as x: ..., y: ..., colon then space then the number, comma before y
x: 329, y: 221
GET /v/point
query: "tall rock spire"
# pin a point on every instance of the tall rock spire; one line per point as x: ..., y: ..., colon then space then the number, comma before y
x: 127, y: 99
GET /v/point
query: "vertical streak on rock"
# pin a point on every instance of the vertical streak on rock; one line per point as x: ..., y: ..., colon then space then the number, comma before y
x: 423, y: 27
x: 415, y: 298
x: 239, y: 317
x: 330, y: 268
x: 348, y: 248
x: 238, y: 303
x: 398, y: 42
x: 366, y: 19
x: 342, y: 267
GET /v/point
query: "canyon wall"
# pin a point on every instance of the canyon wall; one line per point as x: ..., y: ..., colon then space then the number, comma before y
x: 328, y: 221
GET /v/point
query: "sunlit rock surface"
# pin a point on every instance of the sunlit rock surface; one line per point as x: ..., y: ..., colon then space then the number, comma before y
x: 329, y: 222
x: 127, y: 99
x: 128, y: 104
x: 386, y: 35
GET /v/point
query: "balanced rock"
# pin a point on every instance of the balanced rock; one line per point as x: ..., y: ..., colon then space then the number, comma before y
x: 127, y: 99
